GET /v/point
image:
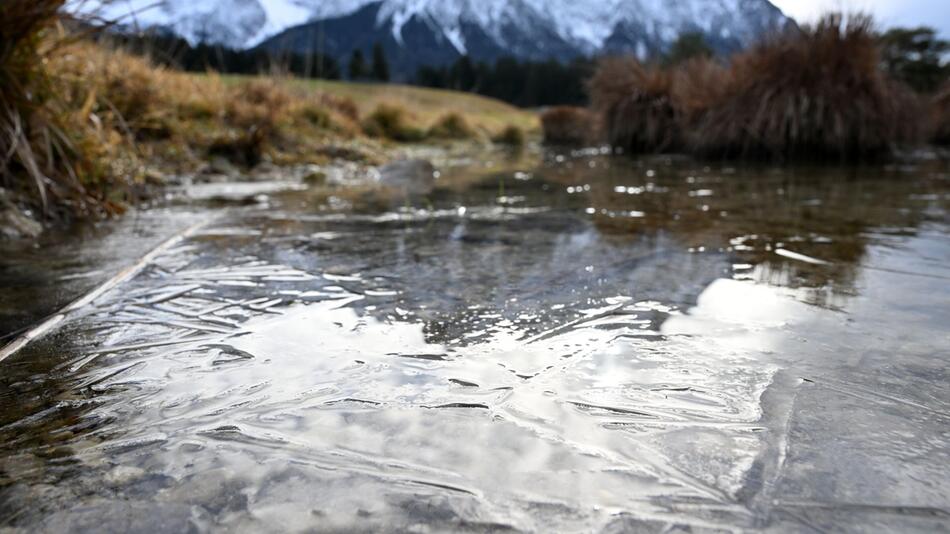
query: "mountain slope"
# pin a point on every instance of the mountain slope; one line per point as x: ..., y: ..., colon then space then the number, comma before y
x: 421, y: 40
x: 417, y: 32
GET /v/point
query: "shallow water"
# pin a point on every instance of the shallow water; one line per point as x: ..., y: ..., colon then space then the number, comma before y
x: 575, y: 344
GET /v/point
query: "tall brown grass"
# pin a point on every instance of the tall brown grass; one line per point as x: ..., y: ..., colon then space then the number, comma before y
x: 569, y: 126
x: 816, y: 93
x: 941, y: 114
x: 698, y: 83
x: 53, y: 147
x: 636, y: 106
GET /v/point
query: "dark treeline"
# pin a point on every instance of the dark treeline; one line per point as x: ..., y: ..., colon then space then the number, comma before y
x: 523, y: 83
x: 178, y: 53
x: 914, y: 56
x: 360, y: 71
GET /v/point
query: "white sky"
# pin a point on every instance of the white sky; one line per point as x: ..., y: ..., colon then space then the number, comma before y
x: 935, y: 13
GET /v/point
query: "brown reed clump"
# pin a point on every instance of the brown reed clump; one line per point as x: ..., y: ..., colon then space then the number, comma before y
x: 568, y: 126
x: 819, y: 93
x: 815, y: 94
x: 636, y: 105
x: 697, y: 83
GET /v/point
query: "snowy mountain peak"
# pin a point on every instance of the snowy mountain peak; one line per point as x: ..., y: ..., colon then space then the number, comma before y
x: 533, y: 29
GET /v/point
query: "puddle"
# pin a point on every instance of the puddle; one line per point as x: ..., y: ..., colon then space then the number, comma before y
x: 573, y: 344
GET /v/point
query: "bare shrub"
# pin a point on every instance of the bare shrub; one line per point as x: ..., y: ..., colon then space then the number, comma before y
x: 571, y: 126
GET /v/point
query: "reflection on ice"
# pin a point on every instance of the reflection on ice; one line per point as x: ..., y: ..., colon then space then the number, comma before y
x: 593, y: 415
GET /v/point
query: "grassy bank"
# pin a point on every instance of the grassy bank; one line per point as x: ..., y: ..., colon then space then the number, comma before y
x: 56, y: 150
x: 84, y: 128
x: 429, y: 105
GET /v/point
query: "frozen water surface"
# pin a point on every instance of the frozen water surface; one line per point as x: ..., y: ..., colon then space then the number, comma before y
x: 590, y: 344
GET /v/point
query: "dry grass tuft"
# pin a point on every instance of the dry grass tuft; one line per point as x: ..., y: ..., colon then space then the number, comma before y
x: 259, y: 104
x: 511, y: 136
x: 272, y: 114
x: 569, y: 126
x: 391, y: 121
x: 256, y: 109
x: 343, y: 105
x: 453, y: 126
x: 635, y: 103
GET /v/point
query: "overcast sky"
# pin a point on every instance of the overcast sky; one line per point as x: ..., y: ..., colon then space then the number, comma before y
x: 888, y: 13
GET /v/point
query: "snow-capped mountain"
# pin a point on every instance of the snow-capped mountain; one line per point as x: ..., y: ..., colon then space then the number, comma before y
x: 432, y: 31
x: 238, y: 24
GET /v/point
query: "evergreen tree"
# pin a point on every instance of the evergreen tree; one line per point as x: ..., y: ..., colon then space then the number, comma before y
x: 380, y: 65
x: 463, y: 74
x: 432, y: 77
x: 530, y: 84
x: 916, y: 57
x: 357, y: 65
x: 688, y: 46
